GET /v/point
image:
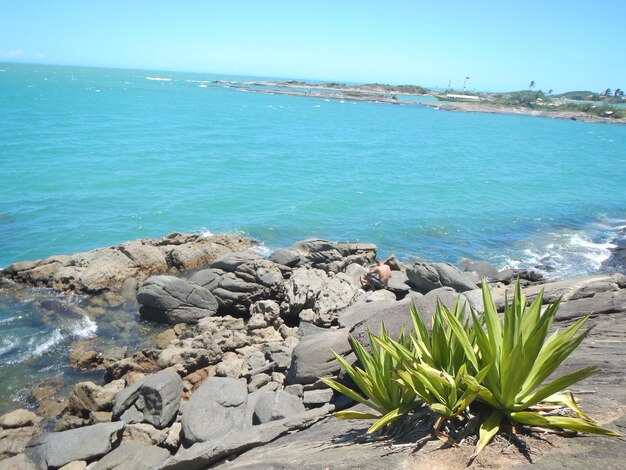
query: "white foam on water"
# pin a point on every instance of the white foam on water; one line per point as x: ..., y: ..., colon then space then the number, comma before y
x: 159, y: 79
x: 563, y: 255
x: 262, y: 250
x: 8, y: 345
x: 205, y: 233
x: 54, y: 339
x: 86, y: 329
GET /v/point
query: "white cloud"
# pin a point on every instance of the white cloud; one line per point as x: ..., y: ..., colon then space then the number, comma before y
x: 14, y: 54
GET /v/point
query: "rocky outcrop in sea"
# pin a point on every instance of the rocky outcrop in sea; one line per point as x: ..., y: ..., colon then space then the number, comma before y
x: 234, y: 378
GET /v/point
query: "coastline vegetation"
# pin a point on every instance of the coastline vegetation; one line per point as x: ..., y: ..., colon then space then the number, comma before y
x: 477, y: 375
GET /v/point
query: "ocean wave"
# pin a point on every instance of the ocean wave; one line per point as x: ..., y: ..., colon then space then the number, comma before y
x: 55, y: 338
x: 87, y: 329
x: 262, y: 250
x: 8, y: 345
x: 563, y: 255
x: 159, y: 79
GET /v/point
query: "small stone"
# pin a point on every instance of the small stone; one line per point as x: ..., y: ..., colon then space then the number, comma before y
x: 279, y: 377
x: 295, y: 389
x: 69, y: 422
x: 99, y: 417
x: 172, y: 441
x: 317, y: 397
x: 257, y: 381
x: 143, y: 434
x: 307, y: 315
x: 164, y: 339
x: 257, y: 321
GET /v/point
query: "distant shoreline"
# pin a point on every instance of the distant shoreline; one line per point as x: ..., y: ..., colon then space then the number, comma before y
x: 391, y: 95
x: 470, y: 107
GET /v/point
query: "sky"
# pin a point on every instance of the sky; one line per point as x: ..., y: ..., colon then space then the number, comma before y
x: 501, y: 45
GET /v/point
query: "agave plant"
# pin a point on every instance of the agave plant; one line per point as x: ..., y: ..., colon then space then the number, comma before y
x: 388, y: 398
x: 522, y: 356
x: 436, y: 363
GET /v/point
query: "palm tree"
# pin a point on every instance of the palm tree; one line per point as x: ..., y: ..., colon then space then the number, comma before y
x: 550, y: 91
x: 532, y: 84
x: 607, y: 92
x: 618, y: 93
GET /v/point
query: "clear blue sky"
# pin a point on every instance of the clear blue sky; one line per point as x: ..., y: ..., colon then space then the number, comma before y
x: 499, y: 44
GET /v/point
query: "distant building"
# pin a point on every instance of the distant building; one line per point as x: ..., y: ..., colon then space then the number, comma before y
x: 463, y: 97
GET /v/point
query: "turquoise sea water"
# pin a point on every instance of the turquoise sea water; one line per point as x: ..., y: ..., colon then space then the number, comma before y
x: 92, y: 157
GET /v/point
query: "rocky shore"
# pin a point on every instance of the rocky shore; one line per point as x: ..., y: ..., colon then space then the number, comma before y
x: 234, y: 379
x: 471, y: 107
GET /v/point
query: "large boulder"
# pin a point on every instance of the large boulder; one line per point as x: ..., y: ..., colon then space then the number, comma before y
x: 425, y: 277
x: 153, y: 400
x: 53, y: 450
x: 217, y: 407
x: 313, y: 358
x: 238, y: 280
x: 168, y: 299
x: 325, y: 255
x: 324, y: 293
x: 132, y: 456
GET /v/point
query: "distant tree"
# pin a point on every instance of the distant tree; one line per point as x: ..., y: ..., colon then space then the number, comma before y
x: 532, y: 84
x: 618, y: 93
x: 550, y: 91
x: 607, y: 92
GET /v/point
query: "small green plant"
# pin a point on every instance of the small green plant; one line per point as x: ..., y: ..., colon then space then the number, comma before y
x: 504, y: 363
x: 377, y: 381
x: 436, y: 363
x: 522, y: 357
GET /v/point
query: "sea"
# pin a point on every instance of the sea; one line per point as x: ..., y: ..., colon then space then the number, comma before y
x: 92, y: 157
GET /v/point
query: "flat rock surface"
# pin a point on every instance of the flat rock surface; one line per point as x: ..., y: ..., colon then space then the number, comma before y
x: 338, y: 444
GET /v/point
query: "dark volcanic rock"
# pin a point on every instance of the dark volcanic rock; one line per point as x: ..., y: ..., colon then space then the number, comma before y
x: 425, y: 277
x: 168, y: 299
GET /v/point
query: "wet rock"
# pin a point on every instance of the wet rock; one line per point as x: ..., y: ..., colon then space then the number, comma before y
x: 217, y: 407
x: 48, y: 388
x: 154, y: 400
x: 132, y: 456
x: 86, y: 360
x: 168, y: 299
x: 59, y: 448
